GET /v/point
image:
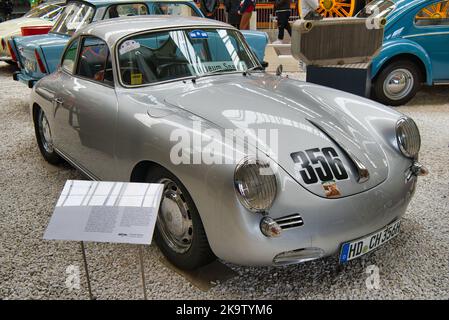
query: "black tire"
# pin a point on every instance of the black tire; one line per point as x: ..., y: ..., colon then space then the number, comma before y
x: 11, y: 63
x: 412, y: 72
x: 49, y: 154
x: 199, y: 253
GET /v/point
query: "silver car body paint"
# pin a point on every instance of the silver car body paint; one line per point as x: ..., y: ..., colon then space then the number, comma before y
x: 106, y: 131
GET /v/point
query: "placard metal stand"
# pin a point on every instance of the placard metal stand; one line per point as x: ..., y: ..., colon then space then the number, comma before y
x: 86, y: 269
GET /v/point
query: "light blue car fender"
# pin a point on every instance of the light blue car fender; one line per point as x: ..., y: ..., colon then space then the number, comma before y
x: 257, y: 40
x: 396, y: 47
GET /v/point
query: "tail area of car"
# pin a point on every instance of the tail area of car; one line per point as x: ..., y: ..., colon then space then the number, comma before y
x: 30, y: 59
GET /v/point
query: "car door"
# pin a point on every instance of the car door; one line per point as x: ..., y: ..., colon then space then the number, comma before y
x: 86, y: 108
x: 432, y: 33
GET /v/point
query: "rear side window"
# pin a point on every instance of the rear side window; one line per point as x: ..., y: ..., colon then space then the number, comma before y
x: 68, y: 62
x: 124, y: 10
x: 434, y: 15
x: 172, y: 9
x: 94, y: 62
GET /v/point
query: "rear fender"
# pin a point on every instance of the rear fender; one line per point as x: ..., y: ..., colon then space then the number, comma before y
x: 13, y: 46
x: 52, y: 56
x: 394, y: 48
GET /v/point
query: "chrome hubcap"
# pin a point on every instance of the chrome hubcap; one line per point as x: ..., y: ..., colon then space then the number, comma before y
x: 45, y: 133
x: 174, y: 220
x: 398, y: 84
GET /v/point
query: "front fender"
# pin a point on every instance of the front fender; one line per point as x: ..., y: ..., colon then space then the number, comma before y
x: 393, y: 48
x: 257, y: 40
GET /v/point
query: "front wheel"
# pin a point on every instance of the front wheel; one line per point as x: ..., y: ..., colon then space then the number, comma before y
x: 179, y: 232
x: 45, y: 139
x: 397, y: 83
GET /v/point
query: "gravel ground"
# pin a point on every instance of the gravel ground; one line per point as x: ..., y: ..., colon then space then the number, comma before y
x: 414, y: 265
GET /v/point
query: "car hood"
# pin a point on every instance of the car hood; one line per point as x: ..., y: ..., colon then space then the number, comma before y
x: 302, y: 117
x: 13, y: 26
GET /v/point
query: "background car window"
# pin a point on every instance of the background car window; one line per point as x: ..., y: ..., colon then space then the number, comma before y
x: 48, y: 11
x: 129, y: 9
x: 434, y: 15
x: 94, y: 61
x: 74, y: 16
x: 68, y: 62
x: 173, y: 9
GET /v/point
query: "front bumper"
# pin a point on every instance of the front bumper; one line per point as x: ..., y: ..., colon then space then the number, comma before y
x: 328, y: 223
x: 19, y: 76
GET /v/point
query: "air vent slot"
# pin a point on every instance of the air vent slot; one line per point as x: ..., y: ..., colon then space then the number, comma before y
x: 290, y: 221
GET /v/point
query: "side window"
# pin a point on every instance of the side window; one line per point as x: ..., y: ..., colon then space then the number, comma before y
x: 68, y: 62
x: 434, y: 15
x: 172, y: 9
x: 123, y: 10
x: 94, y: 62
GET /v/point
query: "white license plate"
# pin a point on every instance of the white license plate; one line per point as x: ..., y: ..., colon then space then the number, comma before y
x: 356, y: 248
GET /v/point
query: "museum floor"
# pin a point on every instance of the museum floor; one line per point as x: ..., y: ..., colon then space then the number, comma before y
x: 415, y: 265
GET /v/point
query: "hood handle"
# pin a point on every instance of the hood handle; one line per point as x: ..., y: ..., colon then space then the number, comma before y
x: 362, y: 171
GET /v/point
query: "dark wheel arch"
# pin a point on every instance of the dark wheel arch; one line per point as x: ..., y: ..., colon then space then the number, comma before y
x: 408, y: 57
x: 398, y: 81
x: 199, y: 253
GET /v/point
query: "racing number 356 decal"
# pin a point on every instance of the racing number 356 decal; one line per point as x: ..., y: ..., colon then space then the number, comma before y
x: 319, y: 165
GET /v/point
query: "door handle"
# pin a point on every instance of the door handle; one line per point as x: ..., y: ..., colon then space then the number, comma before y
x: 58, y: 100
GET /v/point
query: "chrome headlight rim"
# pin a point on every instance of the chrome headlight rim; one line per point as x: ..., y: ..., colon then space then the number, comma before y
x: 407, y: 131
x: 248, y: 160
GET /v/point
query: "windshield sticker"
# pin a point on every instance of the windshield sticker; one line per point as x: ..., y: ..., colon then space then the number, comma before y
x: 136, y: 79
x: 198, y: 34
x: 218, y: 66
x: 128, y: 46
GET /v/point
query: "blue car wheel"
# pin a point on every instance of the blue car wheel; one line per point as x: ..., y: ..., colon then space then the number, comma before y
x: 397, y: 83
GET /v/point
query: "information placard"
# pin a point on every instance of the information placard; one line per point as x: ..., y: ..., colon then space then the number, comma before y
x: 116, y: 212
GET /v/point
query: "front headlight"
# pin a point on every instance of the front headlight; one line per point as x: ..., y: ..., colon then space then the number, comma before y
x: 408, y: 137
x: 255, y: 184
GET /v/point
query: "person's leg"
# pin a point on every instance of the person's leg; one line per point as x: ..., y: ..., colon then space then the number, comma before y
x: 287, y: 23
x: 244, y: 23
x: 281, y: 25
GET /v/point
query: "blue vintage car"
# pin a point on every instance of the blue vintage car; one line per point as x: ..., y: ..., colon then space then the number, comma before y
x: 415, y: 49
x: 40, y: 55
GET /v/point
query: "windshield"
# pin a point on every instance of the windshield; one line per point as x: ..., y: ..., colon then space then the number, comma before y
x: 74, y: 16
x: 168, y: 55
x: 48, y: 11
x: 377, y: 9
x: 173, y: 9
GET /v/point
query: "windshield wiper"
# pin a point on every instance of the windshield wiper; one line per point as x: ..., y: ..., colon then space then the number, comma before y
x: 248, y: 71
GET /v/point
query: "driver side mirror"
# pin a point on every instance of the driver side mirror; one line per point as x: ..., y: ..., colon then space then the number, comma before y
x: 264, y: 64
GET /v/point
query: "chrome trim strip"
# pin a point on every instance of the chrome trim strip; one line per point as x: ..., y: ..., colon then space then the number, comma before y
x: 441, y: 83
x: 76, y: 166
x: 426, y: 34
x: 286, y: 224
x: 362, y: 171
x: 289, y: 217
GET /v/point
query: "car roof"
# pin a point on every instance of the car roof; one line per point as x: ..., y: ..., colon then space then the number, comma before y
x: 400, y: 4
x: 106, y: 2
x: 111, y: 30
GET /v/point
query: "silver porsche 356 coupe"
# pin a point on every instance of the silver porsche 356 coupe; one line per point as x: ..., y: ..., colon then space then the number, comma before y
x: 151, y: 98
